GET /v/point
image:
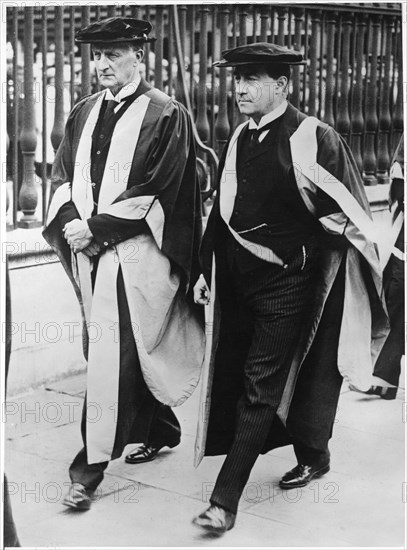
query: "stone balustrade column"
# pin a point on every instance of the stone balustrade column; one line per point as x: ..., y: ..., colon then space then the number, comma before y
x: 222, y: 126
x: 202, y: 123
x: 357, y: 104
x: 57, y: 132
x: 28, y: 196
x: 383, y: 154
x: 371, y: 120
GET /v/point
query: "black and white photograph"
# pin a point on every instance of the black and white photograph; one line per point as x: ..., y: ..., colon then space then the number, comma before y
x: 202, y: 275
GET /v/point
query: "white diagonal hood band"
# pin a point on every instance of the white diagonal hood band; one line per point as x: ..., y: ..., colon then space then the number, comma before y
x: 228, y: 190
x: 354, y: 363
x: 305, y: 164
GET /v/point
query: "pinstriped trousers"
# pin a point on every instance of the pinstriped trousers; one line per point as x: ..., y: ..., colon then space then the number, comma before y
x: 276, y: 301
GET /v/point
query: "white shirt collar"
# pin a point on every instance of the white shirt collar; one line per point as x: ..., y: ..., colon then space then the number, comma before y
x: 269, y: 117
x: 127, y: 90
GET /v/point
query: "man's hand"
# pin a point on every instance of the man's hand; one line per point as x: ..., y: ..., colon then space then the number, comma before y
x: 202, y: 294
x: 92, y: 250
x: 78, y: 235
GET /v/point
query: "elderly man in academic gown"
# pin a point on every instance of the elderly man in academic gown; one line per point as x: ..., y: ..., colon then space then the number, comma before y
x: 125, y: 221
x: 292, y: 275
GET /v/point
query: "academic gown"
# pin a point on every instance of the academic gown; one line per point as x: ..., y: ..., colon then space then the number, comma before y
x: 324, y: 169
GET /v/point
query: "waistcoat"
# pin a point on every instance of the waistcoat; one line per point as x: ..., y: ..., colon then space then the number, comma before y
x: 268, y: 209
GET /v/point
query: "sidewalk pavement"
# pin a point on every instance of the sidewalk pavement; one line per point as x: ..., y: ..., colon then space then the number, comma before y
x: 358, y: 503
x: 46, y: 322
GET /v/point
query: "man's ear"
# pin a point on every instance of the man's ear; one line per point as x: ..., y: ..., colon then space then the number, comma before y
x: 282, y: 83
x: 140, y: 55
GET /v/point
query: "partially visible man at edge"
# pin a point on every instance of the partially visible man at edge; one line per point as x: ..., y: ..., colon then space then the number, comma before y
x: 127, y: 233
x: 298, y: 284
x: 386, y: 374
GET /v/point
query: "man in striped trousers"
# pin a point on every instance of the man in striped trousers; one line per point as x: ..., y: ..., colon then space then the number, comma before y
x: 288, y: 213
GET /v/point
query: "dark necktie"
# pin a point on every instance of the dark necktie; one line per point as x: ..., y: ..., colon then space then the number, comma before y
x: 111, y: 105
x: 256, y: 133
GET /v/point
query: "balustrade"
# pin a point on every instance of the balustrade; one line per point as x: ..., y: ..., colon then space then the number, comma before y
x: 352, y: 80
x: 397, y: 119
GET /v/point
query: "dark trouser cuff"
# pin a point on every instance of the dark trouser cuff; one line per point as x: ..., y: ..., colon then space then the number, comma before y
x: 312, y: 456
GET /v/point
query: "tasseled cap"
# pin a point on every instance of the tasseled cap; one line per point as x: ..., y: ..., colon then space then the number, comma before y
x: 115, y: 29
x: 260, y: 52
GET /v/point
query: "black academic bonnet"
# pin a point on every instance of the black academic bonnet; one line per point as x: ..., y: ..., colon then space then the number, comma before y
x: 114, y: 30
x: 260, y: 53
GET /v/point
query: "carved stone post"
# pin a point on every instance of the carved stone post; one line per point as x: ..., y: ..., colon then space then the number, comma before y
x: 264, y: 18
x: 72, y: 56
x: 85, y: 55
x: 222, y: 127
x: 282, y: 15
x: 57, y: 132
x: 343, y: 119
x: 170, y: 53
x: 45, y: 137
x: 16, y: 115
x: 28, y: 193
x: 242, y: 25
x: 158, y: 66
x: 298, y: 21
x: 329, y: 117
x: 371, y: 121
x: 383, y: 155
x: 314, y: 56
x: 357, y: 107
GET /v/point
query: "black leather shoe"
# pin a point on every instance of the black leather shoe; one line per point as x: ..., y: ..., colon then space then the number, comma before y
x: 383, y: 392
x: 78, y: 498
x: 215, y: 519
x: 388, y: 393
x: 301, y: 475
x: 144, y: 453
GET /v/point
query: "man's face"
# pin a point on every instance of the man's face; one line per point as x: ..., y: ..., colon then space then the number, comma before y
x: 257, y: 93
x: 116, y: 65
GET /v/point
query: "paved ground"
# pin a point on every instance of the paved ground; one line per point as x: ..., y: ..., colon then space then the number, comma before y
x: 46, y: 322
x: 359, y: 503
